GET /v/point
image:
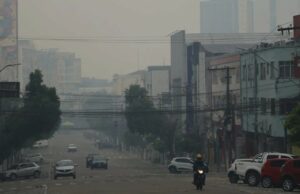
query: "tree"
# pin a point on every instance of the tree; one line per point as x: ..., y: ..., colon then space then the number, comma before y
x: 38, y: 118
x: 140, y: 113
x: 143, y: 118
x: 292, y: 123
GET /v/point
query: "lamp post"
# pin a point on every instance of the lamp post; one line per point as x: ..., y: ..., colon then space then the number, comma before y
x: 9, y: 65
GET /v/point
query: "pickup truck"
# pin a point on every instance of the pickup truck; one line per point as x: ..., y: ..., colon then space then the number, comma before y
x: 248, y: 170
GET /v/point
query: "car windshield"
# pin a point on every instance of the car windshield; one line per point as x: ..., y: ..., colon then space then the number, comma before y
x: 65, y: 163
x: 98, y: 158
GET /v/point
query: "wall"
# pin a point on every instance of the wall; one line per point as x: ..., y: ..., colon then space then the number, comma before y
x: 269, y: 119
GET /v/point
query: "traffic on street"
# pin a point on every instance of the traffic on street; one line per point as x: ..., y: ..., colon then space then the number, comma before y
x: 127, y: 173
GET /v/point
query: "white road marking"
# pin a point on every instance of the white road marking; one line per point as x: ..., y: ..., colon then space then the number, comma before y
x: 58, y: 184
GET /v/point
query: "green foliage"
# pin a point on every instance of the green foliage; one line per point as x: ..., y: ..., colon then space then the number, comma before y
x: 143, y: 118
x: 292, y: 123
x: 140, y: 113
x: 37, y: 119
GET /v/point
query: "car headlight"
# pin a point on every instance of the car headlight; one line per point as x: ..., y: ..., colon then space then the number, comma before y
x: 200, y: 171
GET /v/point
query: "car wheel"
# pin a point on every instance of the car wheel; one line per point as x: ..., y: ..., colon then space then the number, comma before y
x: 173, y: 169
x: 13, y: 177
x: 55, y: 177
x: 252, y: 178
x: 233, y: 178
x: 74, y: 176
x: 36, y: 174
x: 288, y: 184
x: 266, y: 182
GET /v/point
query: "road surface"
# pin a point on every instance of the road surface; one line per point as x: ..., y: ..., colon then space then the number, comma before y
x: 126, y: 174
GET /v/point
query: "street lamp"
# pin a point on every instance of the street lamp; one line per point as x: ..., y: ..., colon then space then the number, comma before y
x: 10, y: 65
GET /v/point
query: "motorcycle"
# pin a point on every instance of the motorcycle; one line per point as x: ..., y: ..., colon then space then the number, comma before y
x: 199, y: 182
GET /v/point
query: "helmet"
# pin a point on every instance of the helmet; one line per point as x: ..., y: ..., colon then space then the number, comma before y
x: 199, y: 156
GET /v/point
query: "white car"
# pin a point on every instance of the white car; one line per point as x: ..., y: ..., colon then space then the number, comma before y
x: 41, y: 144
x: 37, y: 158
x: 64, y: 168
x: 72, y: 148
x: 249, y: 169
x: 181, y: 164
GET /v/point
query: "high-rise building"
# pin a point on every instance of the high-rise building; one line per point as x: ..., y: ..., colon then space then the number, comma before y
x: 219, y: 16
x: 246, y: 16
x: 226, y: 16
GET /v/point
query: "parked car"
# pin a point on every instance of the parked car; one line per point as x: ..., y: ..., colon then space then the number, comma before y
x: 72, y: 148
x: 29, y: 169
x: 99, y: 162
x: 270, y: 172
x: 181, y: 164
x: 37, y: 158
x: 290, y: 175
x: 249, y: 169
x: 64, y: 168
x: 88, y: 159
x: 2, y: 175
x: 41, y: 144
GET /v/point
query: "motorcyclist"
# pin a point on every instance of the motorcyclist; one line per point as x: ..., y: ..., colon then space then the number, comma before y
x: 199, y: 164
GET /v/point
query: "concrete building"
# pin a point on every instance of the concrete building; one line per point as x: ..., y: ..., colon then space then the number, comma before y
x: 210, y: 45
x: 61, y: 70
x: 157, y: 83
x: 269, y: 85
x: 8, y: 41
x: 217, y: 66
x: 123, y: 82
x: 227, y: 16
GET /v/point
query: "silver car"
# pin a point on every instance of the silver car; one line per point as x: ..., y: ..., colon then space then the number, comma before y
x: 37, y: 158
x: 64, y: 168
x: 29, y: 169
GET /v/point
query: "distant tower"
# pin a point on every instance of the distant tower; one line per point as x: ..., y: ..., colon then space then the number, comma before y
x: 227, y: 16
x: 273, y: 14
x: 219, y: 16
x: 246, y: 16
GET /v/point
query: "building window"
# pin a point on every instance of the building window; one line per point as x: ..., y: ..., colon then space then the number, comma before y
x: 286, y: 69
x: 286, y: 105
x: 238, y: 75
x: 262, y: 71
x: 244, y: 72
x: 273, y: 106
x: 244, y: 104
x: 214, y: 77
x: 263, y: 105
x: 272, y: 76
x: 251, y: 105
x: 250, y: 72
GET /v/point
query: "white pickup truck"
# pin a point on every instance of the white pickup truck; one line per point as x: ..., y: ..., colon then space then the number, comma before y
x: 248, y: 170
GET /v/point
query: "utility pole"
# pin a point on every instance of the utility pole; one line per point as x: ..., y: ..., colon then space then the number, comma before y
x: 227, y: 118
x: 256, y: 135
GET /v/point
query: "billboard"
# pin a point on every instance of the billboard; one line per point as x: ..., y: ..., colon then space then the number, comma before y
x: 8, y: 38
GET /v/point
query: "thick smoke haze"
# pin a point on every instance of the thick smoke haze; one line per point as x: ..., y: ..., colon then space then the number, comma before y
x: 131, y: 34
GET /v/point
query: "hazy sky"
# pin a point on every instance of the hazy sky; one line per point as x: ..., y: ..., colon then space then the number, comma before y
x: 125, y: 19
x: 123, y: 28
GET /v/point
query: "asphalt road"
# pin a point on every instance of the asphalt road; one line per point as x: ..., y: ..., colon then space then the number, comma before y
x: 126, y: 174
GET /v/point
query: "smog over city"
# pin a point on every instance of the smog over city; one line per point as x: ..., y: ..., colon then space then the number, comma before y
x: 149, y: 96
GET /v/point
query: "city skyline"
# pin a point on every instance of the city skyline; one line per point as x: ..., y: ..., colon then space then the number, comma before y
x: 131, y: 40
